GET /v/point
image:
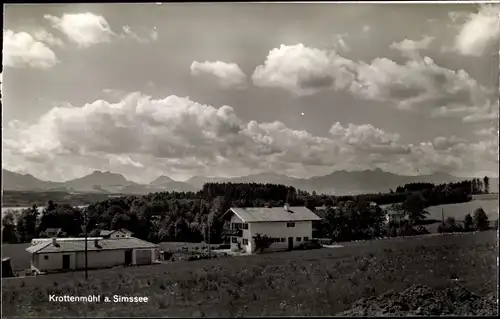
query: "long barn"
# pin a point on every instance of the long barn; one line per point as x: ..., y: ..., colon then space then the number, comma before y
x: 69, y: 254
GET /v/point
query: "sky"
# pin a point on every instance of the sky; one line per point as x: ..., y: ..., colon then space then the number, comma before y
x: 227, y: 89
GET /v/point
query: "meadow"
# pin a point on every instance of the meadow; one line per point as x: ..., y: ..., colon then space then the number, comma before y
x: 299, y: 283
x: 459, y: 210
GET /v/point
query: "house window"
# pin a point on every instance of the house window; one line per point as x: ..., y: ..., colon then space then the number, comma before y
x: 245, y: 226
x: 282, y: 239
x: 299, y: 239
x: 306, y: 238
x: 236, y: 226
x: 245, y: 241
x: 46, y: 257
x: 234, y: 240
x: 291, y: 224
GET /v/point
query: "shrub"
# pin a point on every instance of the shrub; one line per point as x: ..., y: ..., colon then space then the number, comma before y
x: 262, y: 242
x: 441, y: 228
x: 468, y: 223
x: 480, y: 220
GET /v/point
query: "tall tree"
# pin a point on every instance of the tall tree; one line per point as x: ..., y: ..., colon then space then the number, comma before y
x: 9, y: 228
x: 486, y: 183
x: 414, y: 205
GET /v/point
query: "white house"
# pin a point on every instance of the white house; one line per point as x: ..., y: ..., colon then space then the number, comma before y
x: 287, y: 226
x: 119, y: 233
x: 69, y: 254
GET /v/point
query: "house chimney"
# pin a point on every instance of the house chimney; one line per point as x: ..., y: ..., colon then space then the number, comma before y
x: 54, y: 241
x: 96, y: 243
x: 287, y: 207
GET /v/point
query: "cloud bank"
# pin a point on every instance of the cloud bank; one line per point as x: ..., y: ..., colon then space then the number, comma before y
x: 141, y: 136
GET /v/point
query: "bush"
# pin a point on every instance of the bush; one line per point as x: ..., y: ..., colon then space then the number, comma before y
x: 480, y: 220
x: 468, y: 223
x: 262, y: 242
x: 442, y: 228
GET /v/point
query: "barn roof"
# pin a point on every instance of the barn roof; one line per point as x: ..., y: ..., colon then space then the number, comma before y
x: 273, y: 214
x: 79, y: 245
x: 105, y: 232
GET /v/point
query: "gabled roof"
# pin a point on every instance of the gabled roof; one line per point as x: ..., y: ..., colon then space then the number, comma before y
x: 53, y: 230
x: 273, y: 214
x: 109, y: 232
x: 79, y: 245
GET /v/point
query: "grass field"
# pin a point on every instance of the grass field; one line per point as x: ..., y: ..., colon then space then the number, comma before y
x: 316, y: 282
x: 459, y: 210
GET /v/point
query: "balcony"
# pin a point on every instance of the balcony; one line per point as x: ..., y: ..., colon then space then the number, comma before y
x: 232, y: 232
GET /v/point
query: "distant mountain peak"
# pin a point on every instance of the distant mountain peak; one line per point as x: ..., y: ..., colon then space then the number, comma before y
x: 162, y: 179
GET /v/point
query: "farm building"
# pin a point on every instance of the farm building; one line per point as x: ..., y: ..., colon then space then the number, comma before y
x: 287, y: 226
x: 394, y: 213
x: 119, y: 233
x: 69, y: 253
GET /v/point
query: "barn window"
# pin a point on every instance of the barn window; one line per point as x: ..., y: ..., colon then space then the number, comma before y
x: 306, y: 238
x: 245, y: 241
x: 234, y: 240
x: 282, y: 239
x: 299, y: 239
x: 45, y: 257
x: 291, y: 224
x: 245, y: 226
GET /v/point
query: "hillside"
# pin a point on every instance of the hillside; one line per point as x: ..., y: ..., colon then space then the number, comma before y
x: 338, y: 182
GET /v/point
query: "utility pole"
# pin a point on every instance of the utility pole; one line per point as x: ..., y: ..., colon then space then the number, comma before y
x: 86, y: 224
x: 442, y: 215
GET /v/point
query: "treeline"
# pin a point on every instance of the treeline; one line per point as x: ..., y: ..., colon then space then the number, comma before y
x: 474, y: 186
x: 477, y: 222
x: 27, y: 199
x: 194, y: 216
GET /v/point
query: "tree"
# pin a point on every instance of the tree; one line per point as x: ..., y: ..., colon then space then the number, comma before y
x: 120, y: 221
x: 262, y: 242
x: 9, y: 228
x: 480, y: 219
x: 486, y: 183
x: 414, y: 205
x: 26, y: 224
x: 450, y: 222
x: 468, y: 223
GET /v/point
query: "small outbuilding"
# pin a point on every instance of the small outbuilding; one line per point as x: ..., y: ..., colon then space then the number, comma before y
x: 118, y: 233
x: 69, y: 254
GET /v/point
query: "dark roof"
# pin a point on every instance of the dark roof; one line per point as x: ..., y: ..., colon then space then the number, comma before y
x: 79, y: 245
x: 274, y: 214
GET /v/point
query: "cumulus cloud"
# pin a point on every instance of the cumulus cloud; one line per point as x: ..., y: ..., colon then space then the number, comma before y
x: 478, y: 31
x: 341, y: 43
x: 22, y: 50
x: 469, y: 114
x: 84, y: 29
x: 44, y: 36
x: 228, y: 75
x: 418, y: 84
x: 148, y: 37
x: 443, y: 143
x: 140, y: 136
x: 411, y: 48
x: 303, y: 71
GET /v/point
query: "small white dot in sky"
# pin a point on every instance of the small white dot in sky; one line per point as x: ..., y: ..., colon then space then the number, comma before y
x: 302, y: 113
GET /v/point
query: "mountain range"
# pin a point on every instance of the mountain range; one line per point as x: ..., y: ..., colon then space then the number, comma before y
x: 338, y: 182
